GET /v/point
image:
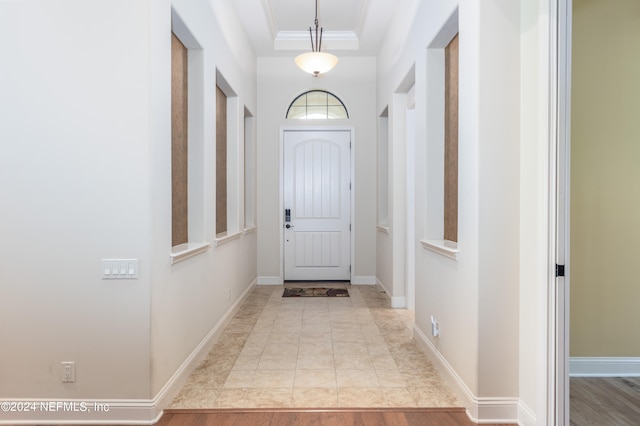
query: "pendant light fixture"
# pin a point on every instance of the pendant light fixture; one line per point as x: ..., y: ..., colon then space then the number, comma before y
x: 316, y: 62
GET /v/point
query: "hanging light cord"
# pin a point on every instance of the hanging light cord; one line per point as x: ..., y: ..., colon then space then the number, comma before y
x: 318, y: 44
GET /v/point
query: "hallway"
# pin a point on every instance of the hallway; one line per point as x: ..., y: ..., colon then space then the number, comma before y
x: 315, y: 352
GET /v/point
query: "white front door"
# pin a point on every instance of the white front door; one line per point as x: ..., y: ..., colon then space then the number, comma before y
x: 317, y: 205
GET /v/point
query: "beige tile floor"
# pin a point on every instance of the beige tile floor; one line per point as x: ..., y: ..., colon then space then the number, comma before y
x: 316, y: 352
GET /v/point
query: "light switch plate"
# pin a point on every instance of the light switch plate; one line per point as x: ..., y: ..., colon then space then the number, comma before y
x: 119, y: 269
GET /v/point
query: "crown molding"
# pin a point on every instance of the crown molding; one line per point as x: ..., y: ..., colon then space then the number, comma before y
x: 332, y: 40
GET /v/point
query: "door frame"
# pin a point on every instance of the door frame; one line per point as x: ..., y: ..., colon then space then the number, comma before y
x: 559, y: 209
x: 319, y: 128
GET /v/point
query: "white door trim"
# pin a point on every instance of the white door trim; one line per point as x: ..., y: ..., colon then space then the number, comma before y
x: 354, y: 225
x: 557, y: 392
x: 565, y: 18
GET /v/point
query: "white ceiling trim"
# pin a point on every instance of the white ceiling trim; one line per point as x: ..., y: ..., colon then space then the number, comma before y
x: 353, y: 27
x: 364, y: 9
x: 270, y: 17
x: 300, y: 40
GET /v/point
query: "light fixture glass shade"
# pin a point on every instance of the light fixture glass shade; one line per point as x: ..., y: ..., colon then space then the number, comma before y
x: 316, y: 62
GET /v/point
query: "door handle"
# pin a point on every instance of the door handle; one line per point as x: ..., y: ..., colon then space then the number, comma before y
x: 288, y: 226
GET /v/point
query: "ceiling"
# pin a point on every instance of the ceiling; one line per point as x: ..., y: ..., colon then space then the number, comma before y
x: 281, y: 27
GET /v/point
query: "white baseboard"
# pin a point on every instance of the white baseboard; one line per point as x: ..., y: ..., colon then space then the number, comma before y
x: 363, y: 280
x: 270, y: 281
x: 179, y: 378
x: 124, y: 412
x: 479, y: 409
x: 398, y: 302
x: 86, y: 411
x: 173, y: 386
x: 604, y: 367
x: 386, y: 291
x: 526, y: 416
x: 357, y: 280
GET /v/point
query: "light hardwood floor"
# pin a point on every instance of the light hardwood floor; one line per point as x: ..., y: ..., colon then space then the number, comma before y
x: 605, y: 401
x: 370, y: 417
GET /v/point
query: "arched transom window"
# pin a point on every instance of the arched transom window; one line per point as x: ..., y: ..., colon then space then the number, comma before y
x: 317, y: 104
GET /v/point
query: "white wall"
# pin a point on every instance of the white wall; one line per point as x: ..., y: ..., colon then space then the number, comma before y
x: 444, y: 288
x: 191, y: 296
x: 75, y: 184
x: 392, y: 251
x: 479, y: 299
x: 85, y: 166
x: 498, y: 133
x: 384, y: 250
x: 84, y: 169
x: 279, y: 82
x: 534, y: 204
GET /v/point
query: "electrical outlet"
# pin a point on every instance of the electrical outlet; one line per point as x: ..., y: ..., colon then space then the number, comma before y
x: 435, y: 327
x: 68, y: 372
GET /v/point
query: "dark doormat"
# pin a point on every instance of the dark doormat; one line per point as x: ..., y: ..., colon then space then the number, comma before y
x: 315, y: 292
